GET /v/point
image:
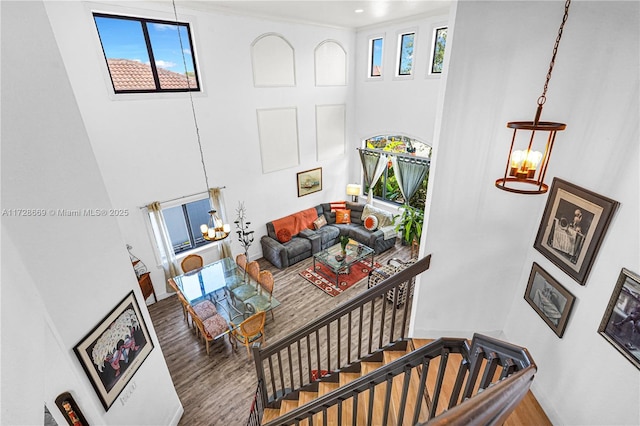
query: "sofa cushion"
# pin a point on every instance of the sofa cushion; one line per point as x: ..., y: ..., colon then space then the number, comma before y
x: 297, y: 246
x: 319, y: 222
x: 338, y: 205
x: 384, y: 217
x: 283, y: 235
x: 343, y: 216
x: 356, y: 212
x: 370, y: 222
x: 328, y: 234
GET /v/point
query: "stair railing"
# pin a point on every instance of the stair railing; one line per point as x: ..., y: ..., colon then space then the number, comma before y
x: 352, y: 331
x: 489, y: 395
x: 257, y: 408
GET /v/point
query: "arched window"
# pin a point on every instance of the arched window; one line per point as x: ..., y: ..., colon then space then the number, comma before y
x: 405, y: 170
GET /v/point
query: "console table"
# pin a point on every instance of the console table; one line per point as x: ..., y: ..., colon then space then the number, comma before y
x: 146, y: 286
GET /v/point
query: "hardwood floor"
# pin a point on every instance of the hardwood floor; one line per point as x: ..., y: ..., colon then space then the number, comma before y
x: 218, y: 389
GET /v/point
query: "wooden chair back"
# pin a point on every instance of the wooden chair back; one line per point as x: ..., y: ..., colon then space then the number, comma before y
x: 191, y: 262
x: 266, y: 282
x: 253, y: 325
x: 241, y: 261
x: 253, y: 269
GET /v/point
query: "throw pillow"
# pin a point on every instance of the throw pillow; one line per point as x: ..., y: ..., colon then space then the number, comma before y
x: 343, y: 216
x: 319, y: 222
x: 338, y: 205
x: 284, y: 235
x: 371, y: 222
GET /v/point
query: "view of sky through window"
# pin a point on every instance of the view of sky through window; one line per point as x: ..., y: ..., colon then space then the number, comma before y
x: 405, y: 65
x: 376, y: 57
x: 130, y: 44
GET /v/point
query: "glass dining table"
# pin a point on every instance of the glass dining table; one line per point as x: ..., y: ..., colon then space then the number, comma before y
x: 214, y: 282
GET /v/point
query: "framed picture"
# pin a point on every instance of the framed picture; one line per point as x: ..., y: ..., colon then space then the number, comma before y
x: 573, y: 226
x: 620, y: 324
x: 114, y: 350
x: 549, y: 299
x: 309, y: 181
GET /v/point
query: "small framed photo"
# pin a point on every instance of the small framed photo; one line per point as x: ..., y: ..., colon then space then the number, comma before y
x: 620, y: 324
x: 309, y: 181
x: 549, y: 299
x: 573, y: 226
x: 114, y: 350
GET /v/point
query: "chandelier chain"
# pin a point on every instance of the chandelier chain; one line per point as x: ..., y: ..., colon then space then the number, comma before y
x: 542, y: 99
x: 193, y: 109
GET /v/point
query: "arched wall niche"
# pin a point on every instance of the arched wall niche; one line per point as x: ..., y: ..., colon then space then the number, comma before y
x: 330, y: 64
x: 273, y: 61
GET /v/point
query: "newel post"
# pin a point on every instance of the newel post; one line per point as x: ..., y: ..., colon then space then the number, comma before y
x: 257, y: 359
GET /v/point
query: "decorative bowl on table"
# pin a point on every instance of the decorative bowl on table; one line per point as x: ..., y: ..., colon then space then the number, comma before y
x: 339, y: 257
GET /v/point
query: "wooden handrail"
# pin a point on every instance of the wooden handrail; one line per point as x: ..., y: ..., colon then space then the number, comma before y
x: 285, y: 365
x: 491, y: 405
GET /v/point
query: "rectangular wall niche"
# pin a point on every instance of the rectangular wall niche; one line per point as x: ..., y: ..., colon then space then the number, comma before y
x: 330, y: 131
x: 278, y: 132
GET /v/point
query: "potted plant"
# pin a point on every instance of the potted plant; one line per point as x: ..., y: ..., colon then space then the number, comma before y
x: 344, y: 240
x: 410, y: 225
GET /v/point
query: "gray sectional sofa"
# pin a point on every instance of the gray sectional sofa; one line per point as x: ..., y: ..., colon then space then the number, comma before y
x: 310, y: 241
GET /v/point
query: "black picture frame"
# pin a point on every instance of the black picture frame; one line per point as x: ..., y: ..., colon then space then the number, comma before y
x: 573, y: 226
x: 309, y: 181
x: 549, y: 299
x: 622, y: 316
x: 114, y: 350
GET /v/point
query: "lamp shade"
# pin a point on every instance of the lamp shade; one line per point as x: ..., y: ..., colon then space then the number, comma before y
x: 353, y: 189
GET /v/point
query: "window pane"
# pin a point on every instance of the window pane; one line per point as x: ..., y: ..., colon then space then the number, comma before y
x: 167, y: 53
x: 376, y: 58
x: 438, y: 50
x: 126, y: 53
x: 177, y: 227
x: 198, y: 212
x: 406, y: 54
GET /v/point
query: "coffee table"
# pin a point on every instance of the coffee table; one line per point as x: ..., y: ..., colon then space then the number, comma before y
x: 333, y: 259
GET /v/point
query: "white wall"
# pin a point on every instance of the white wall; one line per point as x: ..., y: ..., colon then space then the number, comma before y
x: 146, y: 146
x: 482, y: 238
x: 61, y: 275
x: 389, y: 105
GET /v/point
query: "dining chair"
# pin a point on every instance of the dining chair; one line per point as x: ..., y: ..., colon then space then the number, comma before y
x: 247, y: 290
x: 191, y: 262
x: 210, y: 328
x: 262, y: 300
x: 250, y: 330
x: 175, y: 288
x: 204, y: 310
x: 241, y: 261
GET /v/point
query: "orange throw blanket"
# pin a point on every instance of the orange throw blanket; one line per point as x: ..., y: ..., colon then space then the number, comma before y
x: 296, y: 222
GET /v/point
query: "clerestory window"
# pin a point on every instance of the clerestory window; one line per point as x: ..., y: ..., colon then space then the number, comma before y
x: 147, y: 55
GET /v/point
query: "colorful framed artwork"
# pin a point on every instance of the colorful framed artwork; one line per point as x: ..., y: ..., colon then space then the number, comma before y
x: 114, y: 350
x: 549, y: 299
x: 309, y: 181
x: 573, y: 226
x: 620, y: 324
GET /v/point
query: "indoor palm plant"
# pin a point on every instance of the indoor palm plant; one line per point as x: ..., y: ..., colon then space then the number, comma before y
x: 410, y: 226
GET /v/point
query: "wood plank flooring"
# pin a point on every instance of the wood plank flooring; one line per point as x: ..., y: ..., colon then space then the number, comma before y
x: 218, y: 389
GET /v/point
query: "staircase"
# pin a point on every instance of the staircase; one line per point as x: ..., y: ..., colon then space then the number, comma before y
x: 355, y: 366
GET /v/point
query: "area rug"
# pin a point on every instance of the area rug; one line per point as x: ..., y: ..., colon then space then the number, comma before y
x: 325, y: 279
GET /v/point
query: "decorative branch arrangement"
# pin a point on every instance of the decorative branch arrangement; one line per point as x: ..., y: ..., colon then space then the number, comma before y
x: 245, y: 237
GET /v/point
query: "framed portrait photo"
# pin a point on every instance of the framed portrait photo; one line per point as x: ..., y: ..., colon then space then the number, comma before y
x: 620, y: 324
x: 114, y: 350
x: 573, y: 226
x: 309, y: 181
x: 549, y: 299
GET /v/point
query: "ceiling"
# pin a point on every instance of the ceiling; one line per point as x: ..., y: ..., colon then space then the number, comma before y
x: 334, y: 13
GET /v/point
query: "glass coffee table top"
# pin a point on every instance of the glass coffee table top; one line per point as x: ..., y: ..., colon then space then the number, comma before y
x: 332, y: 257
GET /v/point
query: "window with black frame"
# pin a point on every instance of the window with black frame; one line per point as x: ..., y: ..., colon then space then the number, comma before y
x: 183, y: 224
x: 147, y: 55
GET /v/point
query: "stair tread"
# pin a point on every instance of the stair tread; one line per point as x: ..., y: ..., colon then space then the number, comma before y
x: 270, y: 414
x: 288, y: 405
x: 306, y: 396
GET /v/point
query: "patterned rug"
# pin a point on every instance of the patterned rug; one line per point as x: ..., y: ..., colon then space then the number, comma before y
x: 325, y: 280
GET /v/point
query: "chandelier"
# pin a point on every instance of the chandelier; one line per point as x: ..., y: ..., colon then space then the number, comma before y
x: 529, y: 154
